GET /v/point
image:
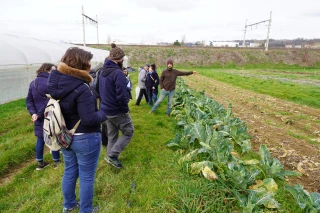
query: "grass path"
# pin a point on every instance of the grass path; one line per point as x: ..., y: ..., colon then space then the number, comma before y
x: 146, y: 184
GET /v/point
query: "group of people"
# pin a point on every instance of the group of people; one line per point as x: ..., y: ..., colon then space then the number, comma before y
x: 69, y: 83
x: 148, y: 84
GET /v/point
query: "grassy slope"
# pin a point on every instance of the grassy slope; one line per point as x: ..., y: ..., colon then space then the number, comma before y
x: 222, y: 57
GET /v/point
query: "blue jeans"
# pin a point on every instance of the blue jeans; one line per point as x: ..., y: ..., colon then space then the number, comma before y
x: 115, y: 124
x: 39, y: 151
x: 80, y: 160
x: 163, y: 94
x: 152, y: 97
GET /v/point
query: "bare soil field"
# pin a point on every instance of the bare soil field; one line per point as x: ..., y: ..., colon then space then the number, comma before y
x: 290, y: 131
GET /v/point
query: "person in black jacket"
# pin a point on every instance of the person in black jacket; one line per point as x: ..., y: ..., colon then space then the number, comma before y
x: 129, y: 83
x: 70, y: 85
x: 36, y: 103
x: 152, y: 83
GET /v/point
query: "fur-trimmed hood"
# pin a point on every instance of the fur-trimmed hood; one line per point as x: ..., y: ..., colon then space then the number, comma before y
x: 66, y: 79
x: 82, y: 74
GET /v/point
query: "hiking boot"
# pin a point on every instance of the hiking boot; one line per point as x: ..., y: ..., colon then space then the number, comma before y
x: 56, y: 164
x: 113, y: 161
x: 42, y: 165
x: 66, y: 210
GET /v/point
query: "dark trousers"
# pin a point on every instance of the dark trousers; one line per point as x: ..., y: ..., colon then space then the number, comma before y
x: 115, y: 124
x: 141, y: 93
x: 104, y: 135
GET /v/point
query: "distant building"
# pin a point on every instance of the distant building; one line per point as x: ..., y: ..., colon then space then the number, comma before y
x: 190, y: 44
x: 163, y: 44
x: 315, y: 45
x: 254, y: 45
x: 224, y: 44
x: 293, y: 46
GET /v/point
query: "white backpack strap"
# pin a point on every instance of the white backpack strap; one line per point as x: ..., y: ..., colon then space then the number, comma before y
x: 75, y: 127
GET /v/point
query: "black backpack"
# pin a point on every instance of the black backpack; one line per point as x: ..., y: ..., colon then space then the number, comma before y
x: 94, y: 85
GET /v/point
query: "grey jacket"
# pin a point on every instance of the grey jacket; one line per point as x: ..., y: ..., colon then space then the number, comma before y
x: 142, y: 79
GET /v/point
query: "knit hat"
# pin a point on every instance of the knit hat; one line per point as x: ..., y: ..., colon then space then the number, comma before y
x: 169, y: 61
x: 116, y: 53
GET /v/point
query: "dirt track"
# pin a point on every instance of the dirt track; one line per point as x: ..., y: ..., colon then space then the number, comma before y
x: 290, y: 131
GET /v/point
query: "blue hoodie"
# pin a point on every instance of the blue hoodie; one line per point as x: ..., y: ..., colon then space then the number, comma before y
x: 113, y: 89
x: 77, y: 101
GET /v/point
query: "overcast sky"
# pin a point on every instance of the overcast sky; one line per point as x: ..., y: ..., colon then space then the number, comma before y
x: 146, y: 21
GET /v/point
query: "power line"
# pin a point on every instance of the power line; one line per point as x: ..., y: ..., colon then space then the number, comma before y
x: 92, y: 21
x: 256, y: 24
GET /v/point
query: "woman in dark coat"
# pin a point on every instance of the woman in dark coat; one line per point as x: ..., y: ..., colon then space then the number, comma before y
x: 70, y: 84
x: 152, y: 83
x: 36, y: 103
x: 129, y: 83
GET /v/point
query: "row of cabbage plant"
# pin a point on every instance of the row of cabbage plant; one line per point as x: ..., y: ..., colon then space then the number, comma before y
x: 216, y: 144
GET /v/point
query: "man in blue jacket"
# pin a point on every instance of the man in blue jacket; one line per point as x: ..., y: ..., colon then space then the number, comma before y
x: 114, y: 102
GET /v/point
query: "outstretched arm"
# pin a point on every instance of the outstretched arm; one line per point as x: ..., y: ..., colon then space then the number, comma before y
x: 181, y: 73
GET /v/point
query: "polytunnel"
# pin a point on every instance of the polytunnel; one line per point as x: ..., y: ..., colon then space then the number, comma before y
x: 20, y: 57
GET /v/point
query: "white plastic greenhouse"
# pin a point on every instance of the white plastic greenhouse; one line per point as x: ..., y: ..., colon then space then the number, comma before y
x: 20, y: 57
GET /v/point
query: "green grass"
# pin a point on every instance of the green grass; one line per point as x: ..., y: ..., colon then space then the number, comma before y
x: 13, y: 115
x: 300, y: 94
x: 17, y: 141
x: 151, y: 180
x: 148, y: 164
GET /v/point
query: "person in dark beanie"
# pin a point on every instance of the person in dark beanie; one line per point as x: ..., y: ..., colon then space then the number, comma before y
x: 168, y: 84
x: 114, y: 102
x: 142, y: 84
